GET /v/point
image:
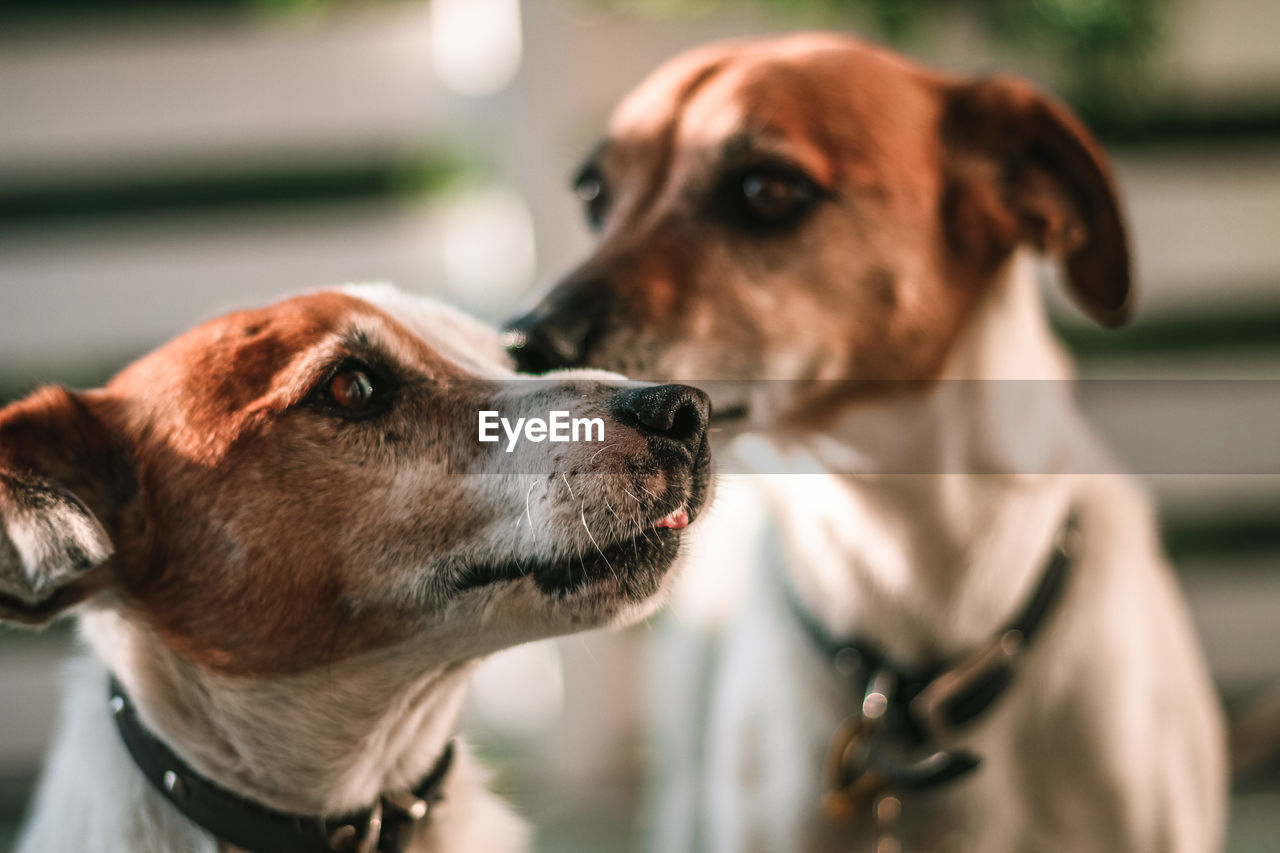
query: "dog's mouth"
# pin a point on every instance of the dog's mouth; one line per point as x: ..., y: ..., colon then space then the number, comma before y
x: 630, y: 567
x: 635, y: 564
x: 629, y: 564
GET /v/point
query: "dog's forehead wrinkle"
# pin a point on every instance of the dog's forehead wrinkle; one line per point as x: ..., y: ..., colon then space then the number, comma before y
x: 649, y: 124
x: 666, y: 92
x: 457, y: 336
x: 371, y: 340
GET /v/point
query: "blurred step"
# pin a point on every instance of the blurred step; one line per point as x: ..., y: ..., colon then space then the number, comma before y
x: 169, y: 96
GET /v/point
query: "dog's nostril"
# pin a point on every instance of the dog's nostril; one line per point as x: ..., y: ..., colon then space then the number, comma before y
x: 687, y: 422
x: 677, y: 412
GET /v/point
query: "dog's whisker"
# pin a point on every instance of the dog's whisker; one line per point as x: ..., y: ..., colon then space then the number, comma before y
x: 582, y: 512
x: 620, y: 524
x: 601, y: 450
x: 528, y: 511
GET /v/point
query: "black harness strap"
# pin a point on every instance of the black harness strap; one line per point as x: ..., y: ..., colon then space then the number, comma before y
x: 387, y: 826
x: 911, y: 709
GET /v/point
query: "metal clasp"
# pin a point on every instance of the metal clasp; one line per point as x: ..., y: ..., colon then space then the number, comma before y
x: 849, y: 781
x: 930, y: 705
x: 392, y: 831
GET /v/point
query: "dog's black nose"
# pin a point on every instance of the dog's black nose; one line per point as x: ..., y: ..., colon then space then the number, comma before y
x: 560, y: 331
x: 538, y: 344
x: 675, y: 412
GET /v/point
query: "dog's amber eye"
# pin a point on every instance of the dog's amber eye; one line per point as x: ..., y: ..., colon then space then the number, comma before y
x: 352, y: 389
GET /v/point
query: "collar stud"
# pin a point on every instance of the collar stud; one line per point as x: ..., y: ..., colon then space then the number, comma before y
x: 343, y: 839
x: 173, y: 785
x: 407, y: 804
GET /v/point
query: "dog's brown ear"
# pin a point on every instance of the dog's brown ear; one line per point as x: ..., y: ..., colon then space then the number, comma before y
x: 1023, y: 169
x: 57, y: 461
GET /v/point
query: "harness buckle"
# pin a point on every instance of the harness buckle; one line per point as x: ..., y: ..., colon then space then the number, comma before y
x: 931, y: 705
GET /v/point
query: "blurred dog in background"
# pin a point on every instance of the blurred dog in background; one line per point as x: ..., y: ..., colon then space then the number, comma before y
x: 962, y: 633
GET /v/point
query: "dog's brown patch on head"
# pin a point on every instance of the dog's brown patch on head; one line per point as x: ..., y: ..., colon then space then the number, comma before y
x: 272, y: 526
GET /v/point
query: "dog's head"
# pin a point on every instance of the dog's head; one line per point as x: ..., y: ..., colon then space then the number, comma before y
x: 819, y: 209
x: 281, y: 488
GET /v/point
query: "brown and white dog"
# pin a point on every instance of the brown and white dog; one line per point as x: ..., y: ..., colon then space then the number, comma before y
x: 846, y: 239
x: 285, y: 541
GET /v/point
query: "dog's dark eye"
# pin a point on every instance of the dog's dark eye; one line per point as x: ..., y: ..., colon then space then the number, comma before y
x: 769, y: 197
x: 352, y: 389
x: 589, y: 186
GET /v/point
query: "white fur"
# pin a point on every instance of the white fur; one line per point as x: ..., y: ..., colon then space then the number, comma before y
x: 1111, y: 737
x: 42, y: 540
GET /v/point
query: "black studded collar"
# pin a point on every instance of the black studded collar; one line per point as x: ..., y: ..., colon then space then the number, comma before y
x: 386, y: 826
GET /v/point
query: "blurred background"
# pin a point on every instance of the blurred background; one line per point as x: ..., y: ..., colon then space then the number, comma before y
x: 162, y: 160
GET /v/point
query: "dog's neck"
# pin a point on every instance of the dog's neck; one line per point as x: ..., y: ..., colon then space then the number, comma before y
x: 935, y: 528
x: 318, y: 743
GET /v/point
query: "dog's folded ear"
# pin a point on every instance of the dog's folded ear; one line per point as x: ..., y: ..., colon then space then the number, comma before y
x: 57, y: 461
x: 1023, y: 169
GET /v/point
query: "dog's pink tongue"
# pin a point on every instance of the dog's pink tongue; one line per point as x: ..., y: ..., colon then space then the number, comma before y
x: 677, y: 520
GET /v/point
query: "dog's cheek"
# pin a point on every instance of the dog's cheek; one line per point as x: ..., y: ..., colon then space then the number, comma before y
x: 269, y: 575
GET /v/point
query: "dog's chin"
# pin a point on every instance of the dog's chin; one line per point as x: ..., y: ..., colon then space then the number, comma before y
x: 630, y: 571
